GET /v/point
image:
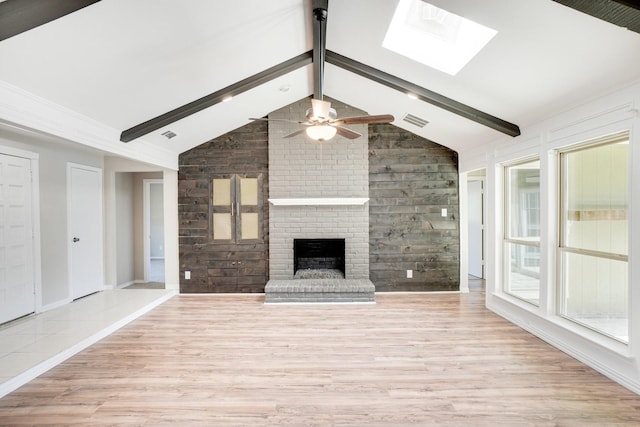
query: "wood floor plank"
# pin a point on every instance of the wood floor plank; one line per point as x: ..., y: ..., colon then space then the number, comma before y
x: 439, y: 359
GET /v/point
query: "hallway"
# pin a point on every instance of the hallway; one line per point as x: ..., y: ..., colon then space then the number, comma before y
x: 34, y: 344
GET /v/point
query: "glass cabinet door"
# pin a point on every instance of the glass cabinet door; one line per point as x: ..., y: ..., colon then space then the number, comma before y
x: 222, y: 209
x: 235, y: 208
x: 248, y: 209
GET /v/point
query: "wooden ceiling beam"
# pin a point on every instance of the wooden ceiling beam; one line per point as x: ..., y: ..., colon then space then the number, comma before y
x: 423, y: 94
x: 623, y: 13
x: 18, y: 16
x: 216, y: 97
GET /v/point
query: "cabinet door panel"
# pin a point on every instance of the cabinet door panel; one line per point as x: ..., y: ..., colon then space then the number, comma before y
x: 222, y: 229
x: 250, y: 226
x: 249, y: 191
x: 221, y: 192
x: 237, y: 254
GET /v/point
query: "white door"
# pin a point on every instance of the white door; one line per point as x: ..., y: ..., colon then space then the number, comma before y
x: 85, y: 229
x: 476, y: 229
x: 17, y: 278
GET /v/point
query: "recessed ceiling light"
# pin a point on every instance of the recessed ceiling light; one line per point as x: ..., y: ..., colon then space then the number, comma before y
x: 227, y: 98
x: 434, y: 36
x: 412, y: 96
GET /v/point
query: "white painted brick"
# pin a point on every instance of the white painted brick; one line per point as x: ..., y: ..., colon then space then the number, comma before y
x: 300, y: 168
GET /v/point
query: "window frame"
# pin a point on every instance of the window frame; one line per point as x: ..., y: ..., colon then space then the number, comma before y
x: 562, y: 248
x: 508, y: 241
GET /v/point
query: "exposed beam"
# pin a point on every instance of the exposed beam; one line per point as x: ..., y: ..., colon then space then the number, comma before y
x: 18, y: 16
x: 422, y: 94
x: 319, y: 45
x: 631, y: 3
x: 623, y: 13
x: 216, y: 97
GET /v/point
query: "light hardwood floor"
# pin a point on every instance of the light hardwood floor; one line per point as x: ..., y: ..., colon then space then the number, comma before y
x: 439, y: 359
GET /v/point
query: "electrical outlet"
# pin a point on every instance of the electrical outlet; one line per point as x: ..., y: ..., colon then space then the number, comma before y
x: 187, y: 275
x: 443, y: 212
x: 409, y: 274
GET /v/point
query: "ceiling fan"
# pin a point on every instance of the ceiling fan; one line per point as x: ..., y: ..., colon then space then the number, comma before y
x: 322, y: 122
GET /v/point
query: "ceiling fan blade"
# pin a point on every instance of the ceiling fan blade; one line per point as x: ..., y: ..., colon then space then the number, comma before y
x: 292, y: 134
x: 347, y: 133
x: 359, y: 120
x: 279, y: 120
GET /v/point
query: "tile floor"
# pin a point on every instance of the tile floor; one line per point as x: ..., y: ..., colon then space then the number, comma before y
x: 32, y: 345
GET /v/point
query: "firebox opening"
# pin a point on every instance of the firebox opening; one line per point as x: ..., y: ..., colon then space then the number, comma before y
x: 318, y: 256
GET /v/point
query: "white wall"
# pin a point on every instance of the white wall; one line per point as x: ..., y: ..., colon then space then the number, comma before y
x: 611, y: 113
x: 142, y: 171
x: 124, y: 229
x: 54, y: 155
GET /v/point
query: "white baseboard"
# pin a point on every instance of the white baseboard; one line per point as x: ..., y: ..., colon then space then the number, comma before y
x: 55, y: 305
x: 125, y: 284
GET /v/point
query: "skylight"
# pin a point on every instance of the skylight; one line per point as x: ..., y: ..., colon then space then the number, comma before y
x: 435, y: 37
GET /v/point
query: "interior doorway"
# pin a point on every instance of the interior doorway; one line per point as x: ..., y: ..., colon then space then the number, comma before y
x: 17, y: 260
x: 84, y: 207
x: 476, y: 215
x: 153, y: 194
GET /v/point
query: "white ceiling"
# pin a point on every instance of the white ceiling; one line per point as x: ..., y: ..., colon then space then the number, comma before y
x: 122, y: 62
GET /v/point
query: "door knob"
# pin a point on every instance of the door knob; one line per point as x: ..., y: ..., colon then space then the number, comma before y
x: 75, y: 239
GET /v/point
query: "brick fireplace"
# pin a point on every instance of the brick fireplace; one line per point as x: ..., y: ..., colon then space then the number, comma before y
x: 382, y: 193
x: 317, y: 190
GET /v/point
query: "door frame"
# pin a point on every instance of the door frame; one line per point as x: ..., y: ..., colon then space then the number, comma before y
x: 483, y: 251
x: 34, y: 159
x: 146, y: 220
x: 100, y: 243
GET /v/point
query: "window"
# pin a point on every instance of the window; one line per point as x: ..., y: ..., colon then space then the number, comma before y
x: 594, y: 235
x: 522, y: 230
x: 435, y: 37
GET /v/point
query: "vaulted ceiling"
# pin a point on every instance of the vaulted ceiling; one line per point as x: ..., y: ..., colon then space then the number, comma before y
x: 121, y: 63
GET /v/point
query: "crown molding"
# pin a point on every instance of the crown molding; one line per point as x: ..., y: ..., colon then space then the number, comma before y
x: 29, y: 111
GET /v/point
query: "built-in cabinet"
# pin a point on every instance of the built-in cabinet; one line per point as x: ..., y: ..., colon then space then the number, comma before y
x: 236, y: 208
x: 236, y: 231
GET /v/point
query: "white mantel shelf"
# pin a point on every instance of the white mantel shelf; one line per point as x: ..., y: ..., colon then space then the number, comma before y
x: 323, y: 201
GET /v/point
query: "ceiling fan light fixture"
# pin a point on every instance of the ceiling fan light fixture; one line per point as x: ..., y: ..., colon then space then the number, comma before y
x: 321, y: 132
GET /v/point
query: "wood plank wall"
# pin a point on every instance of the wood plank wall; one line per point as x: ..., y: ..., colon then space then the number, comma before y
x: 214, y: 266
x: 411, y: 179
